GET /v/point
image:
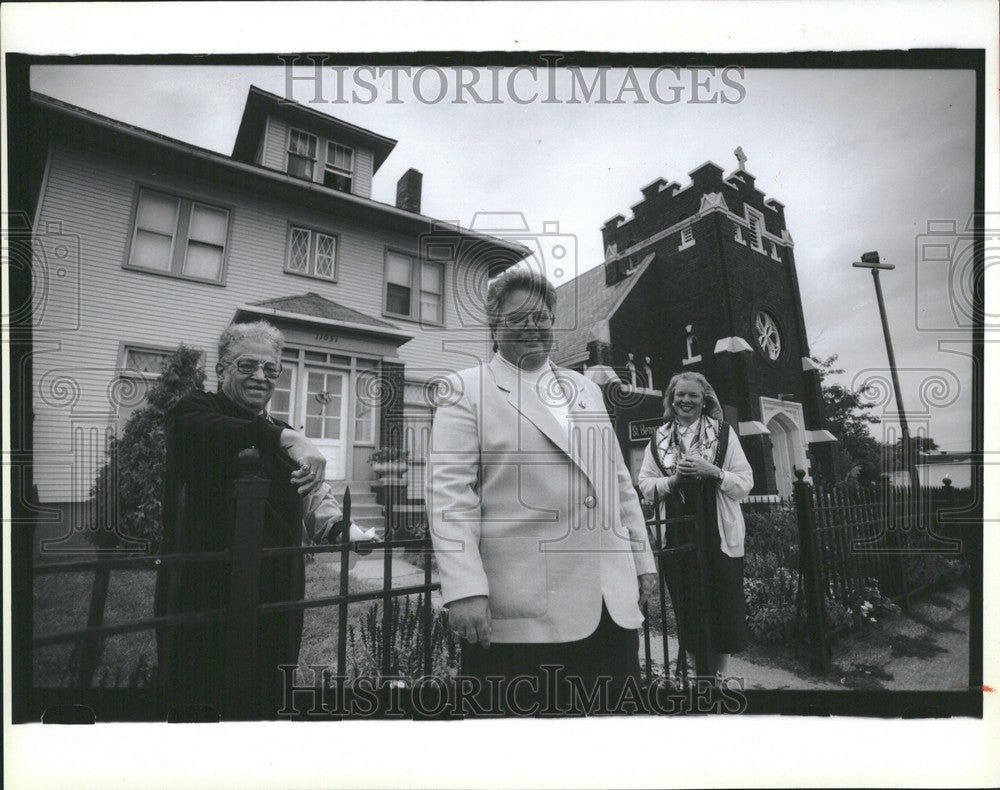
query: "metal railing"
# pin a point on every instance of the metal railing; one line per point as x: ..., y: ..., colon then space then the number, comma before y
x: 679, y: 541
x: 241, y: 616
x: 849, y: 539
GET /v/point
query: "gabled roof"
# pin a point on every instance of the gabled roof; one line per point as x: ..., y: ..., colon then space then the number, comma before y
x: 116, y: 135
x: 311, y: 303
x: 312, y: 308
x: 585, y: 302
x: 260, y: 103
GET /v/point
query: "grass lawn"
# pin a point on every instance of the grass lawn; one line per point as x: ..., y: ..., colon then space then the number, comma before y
x: 61, y: 602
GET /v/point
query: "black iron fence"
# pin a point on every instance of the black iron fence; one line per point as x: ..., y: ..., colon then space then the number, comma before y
x: 862, y: 546
x: 240, y: 618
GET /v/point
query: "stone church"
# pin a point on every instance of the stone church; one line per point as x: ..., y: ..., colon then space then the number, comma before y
x: 702, y: 278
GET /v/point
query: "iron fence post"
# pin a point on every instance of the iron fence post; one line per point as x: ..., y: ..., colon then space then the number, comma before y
x: 91, y: 647
x: 812, y: 583
x: 899, y: 512
x: 250, y: 492
x: 701, y: 655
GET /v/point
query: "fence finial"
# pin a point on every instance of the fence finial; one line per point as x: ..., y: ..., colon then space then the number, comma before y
x: 248, y: 462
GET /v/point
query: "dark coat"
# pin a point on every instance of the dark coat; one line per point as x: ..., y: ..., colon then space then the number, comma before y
x: 204, y: 434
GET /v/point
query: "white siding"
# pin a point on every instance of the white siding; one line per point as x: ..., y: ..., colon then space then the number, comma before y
x: 363, y: 160
x: 92, y: 199
x: 275, y: 143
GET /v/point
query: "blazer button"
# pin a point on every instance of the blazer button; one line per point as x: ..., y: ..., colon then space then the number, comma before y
x: 590, y: 501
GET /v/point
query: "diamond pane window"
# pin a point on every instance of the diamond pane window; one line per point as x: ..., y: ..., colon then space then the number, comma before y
x: 325, y: 249
x: 311, y: 252
x: 298, y: 252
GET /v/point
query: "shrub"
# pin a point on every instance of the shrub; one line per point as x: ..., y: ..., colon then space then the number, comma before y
x: 366, y: 645
x: 125, y: 500
x: 771, y: 595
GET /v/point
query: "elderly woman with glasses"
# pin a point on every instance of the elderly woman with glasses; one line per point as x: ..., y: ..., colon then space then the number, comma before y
x: 538, y: 533
x: 694, y: 463
x: 204, y: 434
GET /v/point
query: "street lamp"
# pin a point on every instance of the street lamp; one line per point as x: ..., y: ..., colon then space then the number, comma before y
x: 870, y: 260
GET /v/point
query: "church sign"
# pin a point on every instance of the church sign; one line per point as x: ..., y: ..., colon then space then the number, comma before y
x: 641, y: 430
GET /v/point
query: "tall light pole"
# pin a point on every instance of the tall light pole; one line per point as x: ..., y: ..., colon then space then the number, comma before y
x: 870, y: 260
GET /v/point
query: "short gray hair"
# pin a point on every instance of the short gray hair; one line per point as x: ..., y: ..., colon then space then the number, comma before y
x: 254, y: 331
x: 512, y: 279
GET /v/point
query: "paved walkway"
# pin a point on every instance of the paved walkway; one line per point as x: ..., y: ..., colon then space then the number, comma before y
x: 926, y: 650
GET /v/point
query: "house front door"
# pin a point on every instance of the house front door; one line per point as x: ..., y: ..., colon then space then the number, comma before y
x: 323, y: 417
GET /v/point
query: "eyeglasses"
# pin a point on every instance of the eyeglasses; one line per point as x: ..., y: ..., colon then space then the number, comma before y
x: 542, y: 319
x: 248, y: 367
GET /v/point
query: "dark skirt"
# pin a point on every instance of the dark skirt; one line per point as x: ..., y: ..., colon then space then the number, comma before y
x: 726, y: 615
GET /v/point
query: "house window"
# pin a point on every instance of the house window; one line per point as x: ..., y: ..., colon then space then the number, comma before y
x: 365, y: 405
x: 178, y: 236
x: 774, y: 252
x: 414, y: 289
x: 301, y: 154
x: 339, y: 170
x: 142, y: 367
x: 281, y: 405
x: 144, y: 362
x: 738, y: 236
x: 756, y: 220
x: 687, y: 237
x: 311, y: 252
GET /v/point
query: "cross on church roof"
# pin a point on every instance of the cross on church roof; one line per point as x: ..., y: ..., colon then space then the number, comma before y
x: 740, y: 157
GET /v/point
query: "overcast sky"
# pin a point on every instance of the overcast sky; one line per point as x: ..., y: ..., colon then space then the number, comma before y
x: 862, y: 160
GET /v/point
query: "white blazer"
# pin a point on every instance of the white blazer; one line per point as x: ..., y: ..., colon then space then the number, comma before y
x: 543, y: 523
x: 736, y: 483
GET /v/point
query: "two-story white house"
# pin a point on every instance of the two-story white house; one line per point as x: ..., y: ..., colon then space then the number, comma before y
x: 147, y: 242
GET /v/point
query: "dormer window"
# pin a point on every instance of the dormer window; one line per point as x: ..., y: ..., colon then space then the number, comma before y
x: 301, y: 154
x: 339, y: 171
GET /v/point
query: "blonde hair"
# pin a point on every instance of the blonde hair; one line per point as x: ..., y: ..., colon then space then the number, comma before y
x: 711, y: 406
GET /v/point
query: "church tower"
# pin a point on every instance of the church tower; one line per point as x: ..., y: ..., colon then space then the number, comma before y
x: 702, y: 278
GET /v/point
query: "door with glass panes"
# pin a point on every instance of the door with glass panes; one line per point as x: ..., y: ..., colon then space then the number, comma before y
x: 322, y: 416
x: 318, y: 408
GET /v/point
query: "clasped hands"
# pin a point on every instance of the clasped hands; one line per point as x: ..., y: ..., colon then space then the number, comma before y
x: 693, y: 467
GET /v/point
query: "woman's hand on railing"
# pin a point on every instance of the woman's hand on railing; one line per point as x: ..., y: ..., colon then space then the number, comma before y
x: 312, y: 463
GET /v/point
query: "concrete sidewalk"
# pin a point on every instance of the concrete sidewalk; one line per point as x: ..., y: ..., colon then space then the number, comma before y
x: 925, y: 650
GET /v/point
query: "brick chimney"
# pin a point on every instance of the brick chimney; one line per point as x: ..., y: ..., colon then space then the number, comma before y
x: 408, y: 191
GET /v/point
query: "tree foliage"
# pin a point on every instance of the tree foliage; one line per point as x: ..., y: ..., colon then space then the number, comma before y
x: 848, y: 417
x: 126, y: 498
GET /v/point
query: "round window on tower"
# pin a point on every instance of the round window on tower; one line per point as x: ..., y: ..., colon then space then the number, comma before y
x: 765, y: 330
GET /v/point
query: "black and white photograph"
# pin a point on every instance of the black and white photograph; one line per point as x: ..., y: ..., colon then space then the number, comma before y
x: 453, y: 389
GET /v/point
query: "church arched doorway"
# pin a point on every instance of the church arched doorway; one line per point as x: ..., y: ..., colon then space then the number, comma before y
x: 786, y: 452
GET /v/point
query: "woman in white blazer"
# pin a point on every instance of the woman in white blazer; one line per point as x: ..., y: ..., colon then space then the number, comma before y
x: 540, y: 540
x: 694, y: 461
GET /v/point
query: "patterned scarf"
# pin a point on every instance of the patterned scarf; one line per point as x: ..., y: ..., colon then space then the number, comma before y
x: 669, y: 449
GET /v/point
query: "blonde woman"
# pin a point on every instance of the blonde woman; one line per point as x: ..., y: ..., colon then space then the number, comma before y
x: 694, y: 461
